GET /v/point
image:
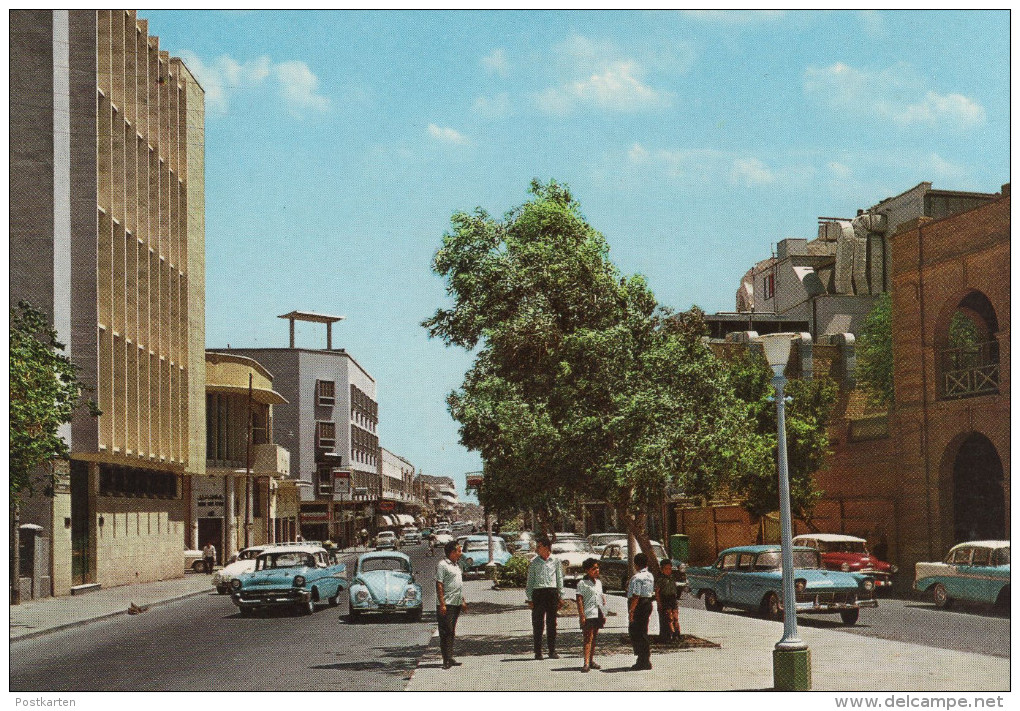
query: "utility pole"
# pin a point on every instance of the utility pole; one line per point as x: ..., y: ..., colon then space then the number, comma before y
x: 248, y: 503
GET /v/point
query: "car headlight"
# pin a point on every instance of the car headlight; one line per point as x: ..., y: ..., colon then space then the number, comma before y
x: 236, y: 584
x: 410, y: 593
x: 800, y: 586
x: 469, y: 562
x: 845, y: 567
x: 299, y: 580
x: 868, y: 585
x: 361, y: 595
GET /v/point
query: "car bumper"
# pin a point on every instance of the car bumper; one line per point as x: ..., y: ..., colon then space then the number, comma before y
x: 269, y: 598
x: 372, y: 606
x: 821, y: 607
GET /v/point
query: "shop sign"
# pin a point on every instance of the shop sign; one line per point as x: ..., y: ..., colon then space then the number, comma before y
x: 208, y: 496
x: 385, y: 505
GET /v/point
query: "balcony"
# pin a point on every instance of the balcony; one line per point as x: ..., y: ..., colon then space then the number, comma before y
x: 970, y: 371
x: 270, y: 459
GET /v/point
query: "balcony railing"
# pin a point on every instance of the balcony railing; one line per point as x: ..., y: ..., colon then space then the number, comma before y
x: 970, y: 371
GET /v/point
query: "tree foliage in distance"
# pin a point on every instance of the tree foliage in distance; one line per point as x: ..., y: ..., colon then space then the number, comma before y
x: 44, y: 393
x: 874, y: 371
x: 582, y: 386
x: 807, y: 442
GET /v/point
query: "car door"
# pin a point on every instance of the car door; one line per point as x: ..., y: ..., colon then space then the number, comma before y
x: 958, y: 572
x: 613, y: 568
x: 743, y: 590
x: 721, y: 579
x: 978, y: 583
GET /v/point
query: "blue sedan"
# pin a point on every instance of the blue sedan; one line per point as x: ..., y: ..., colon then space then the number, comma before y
x: 976, y: 571
x: 751, y: 578
x: 298, y: 576
x: 476, y: 553
x: 384, y: 582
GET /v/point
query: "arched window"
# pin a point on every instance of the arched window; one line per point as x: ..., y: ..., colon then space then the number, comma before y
x: 968, y: 352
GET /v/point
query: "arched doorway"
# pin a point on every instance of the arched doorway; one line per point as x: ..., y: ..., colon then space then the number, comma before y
x: 968, y: 351
x: 979, y: 502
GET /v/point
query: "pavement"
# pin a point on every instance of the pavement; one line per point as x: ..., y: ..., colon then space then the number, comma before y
x: 494, y: 646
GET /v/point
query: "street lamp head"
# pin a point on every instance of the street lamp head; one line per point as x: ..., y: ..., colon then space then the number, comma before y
x: 777, y: 349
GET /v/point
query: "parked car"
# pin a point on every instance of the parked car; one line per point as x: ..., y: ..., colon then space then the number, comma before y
x: 384, y: 582
x: 386, y: 540
x: 299, y: 576
x: 849, y: 554
x: 751, y: 578
x: 476, y: 553
x: 613, y: 565
x: 598, y: 541
x: 442, y: 536
x: 243, y: 562
x: 572, y: 552
x: 410, y: 536
x: 976, y: 571
x: 193, y: 561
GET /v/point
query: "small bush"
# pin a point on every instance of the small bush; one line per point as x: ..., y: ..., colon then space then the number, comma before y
x: 514, y: 574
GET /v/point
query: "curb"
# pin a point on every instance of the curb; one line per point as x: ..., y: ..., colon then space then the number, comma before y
x: 104, y: 616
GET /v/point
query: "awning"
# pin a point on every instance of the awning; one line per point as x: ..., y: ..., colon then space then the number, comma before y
x: 404, y: 519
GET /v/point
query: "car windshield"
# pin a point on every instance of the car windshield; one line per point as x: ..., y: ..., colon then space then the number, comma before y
x: 600, y: 539
x: 843, y: 547
x: 497, y: 545
x: 398, y: 564
x: 249, y: 554
x: 571, y: 546
x: 384, y: 534
x: 773, y: 560
x: 288, y: 559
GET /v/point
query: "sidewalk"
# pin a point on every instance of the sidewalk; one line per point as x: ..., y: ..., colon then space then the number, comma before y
x: 36, y: 617
x: 495, y: 647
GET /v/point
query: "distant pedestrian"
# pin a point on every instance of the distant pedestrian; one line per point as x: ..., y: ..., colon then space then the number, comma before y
x: 591, y: 608
x: 208, y: 557
x: 449, y: 601
x: 667, y: 600
x: 640, y: 593
x: 543, y: 592
x: 363, y: 534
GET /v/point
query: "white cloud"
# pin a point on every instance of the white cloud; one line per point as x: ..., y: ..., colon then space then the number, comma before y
x: 896, y: 93
x: 750, y: 172
x: 938, y: 167
x: 447, y: 135
x: 637, y: 153
x: 617, y: 88
x: 496, y: 106
x: 224, y: 77
x: 497, y: 63
x: 874, y: 24
x: 839, y: 169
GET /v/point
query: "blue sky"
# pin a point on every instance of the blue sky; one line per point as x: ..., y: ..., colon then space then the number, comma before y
x: 338, y: 145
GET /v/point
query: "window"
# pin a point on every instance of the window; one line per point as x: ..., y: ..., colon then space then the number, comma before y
x: 746, y: 561
x: 769, y: 289
x: 961, y: 556
x: 325, y: 480
x: 980, y: 556
x: 728, y: 562
x: 123, y: 481
x: 325, y: 392
x: 325, y: 434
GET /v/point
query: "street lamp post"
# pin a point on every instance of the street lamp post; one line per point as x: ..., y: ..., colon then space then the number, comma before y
x: 791, y: 658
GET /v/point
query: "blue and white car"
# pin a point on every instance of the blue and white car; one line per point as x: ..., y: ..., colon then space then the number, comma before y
x: 976, y: 571
x: 384, y: 582
x: 751, y: 578
x: 298, y: 576
x: 475, y: 551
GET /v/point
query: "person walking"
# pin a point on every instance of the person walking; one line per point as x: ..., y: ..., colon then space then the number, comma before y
x: 591, y: 608
x: 667, y: 601
x: 208, y: 557
x: 640, y: 593
x: 543, y: 592
x: 449, y: 601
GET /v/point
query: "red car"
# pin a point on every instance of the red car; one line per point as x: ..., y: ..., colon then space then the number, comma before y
x: 849, y: 554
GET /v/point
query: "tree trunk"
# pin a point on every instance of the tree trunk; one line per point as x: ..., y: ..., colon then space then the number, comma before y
x: 637, y: 531
x: 16, y: 553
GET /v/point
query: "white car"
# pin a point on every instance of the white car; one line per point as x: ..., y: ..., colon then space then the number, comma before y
x: 572, y: 552
x: 598, y: 541
x: 386, y: 540
x: 243, y: 563
x: 193, y: 561
x: 442, y: 536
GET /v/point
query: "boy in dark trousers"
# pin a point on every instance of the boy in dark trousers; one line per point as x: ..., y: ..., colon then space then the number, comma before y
x: 667, y: 600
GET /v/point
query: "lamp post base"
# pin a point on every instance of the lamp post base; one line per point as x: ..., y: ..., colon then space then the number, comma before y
x: 791, y: 669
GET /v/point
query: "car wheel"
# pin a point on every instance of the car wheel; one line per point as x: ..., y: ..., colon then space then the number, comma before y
x: 770, y: 608
x: 307, y: 608
x: 335, y: 600
x: 222, y: 590
x: 414, y: 615
x: 198, y: 566
x: 850, y: 617
x: 941, y: 596
x: 712, y: 603
x: 1003, y: 600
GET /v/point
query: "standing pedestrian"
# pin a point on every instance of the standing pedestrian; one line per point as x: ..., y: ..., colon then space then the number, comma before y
x: 449, y: 601
x: 640, y: 593
x: 208, y: 557
x: 667, y: 600
x: 543, y: 592
x: 591, y: 608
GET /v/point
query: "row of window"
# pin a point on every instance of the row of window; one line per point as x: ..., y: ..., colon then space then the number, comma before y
x: 360, y: 401
x: 125, y: 481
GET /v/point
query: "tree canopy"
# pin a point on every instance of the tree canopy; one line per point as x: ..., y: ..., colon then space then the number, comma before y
x: 582, y: 385
x: 44, y: 393
x: 874, y: 370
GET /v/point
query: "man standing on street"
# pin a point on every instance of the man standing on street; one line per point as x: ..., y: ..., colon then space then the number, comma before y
x: 208, y: 557
x: 449, y: 601
x: 543, y: 592
x: 640, y: 593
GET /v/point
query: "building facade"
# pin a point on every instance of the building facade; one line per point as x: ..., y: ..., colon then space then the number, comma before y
x: 400, y: 501
x: 107, y: 235
x: 246, y: 496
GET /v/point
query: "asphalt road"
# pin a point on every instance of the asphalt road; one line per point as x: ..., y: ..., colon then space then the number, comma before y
x: 965, y: 628
x: 202, y: 643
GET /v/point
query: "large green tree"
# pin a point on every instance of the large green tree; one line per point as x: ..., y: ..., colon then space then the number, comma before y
x: 809, y: 403
x: 874, y: 370
x: 44, y: 394
x: 582, y: 385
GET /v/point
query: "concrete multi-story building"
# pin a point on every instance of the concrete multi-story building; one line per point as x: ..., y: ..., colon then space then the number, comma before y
x: 246, y: 496
x: 828, y: 285
x: 107, y: 235
x: 400, y: 502
x: 444, y: 496
x: 330, y: 427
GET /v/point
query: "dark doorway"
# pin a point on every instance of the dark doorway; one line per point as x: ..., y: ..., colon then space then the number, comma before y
x: 83, y: 569
x: 211, y: 529
x: 979, y: 503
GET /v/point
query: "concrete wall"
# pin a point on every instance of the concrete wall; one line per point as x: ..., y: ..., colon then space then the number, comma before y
x: 139, y: 540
